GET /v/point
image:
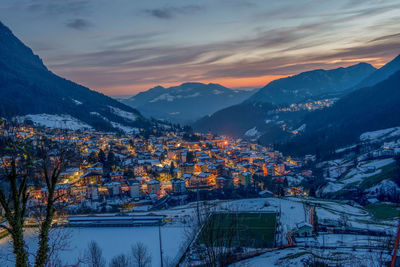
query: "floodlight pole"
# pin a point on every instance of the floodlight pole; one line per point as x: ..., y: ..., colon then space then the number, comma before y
x: 159, y: 238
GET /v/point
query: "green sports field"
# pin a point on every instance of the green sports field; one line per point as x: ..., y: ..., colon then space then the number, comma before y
x: 256, y: 230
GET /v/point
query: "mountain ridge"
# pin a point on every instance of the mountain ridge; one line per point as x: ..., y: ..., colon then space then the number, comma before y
x: 313, y: 82
x: 29, y: 87
x: 185, y: 102
x: 308, y: 84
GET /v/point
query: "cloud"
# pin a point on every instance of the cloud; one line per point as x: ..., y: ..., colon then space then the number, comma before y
x: 278, y: 40
x: 78, y: 24
x: 56, y: 8
x: 171, y: 12
x: 386, y: 37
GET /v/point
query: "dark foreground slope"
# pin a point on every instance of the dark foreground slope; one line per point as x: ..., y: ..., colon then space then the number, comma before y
x: 28, y: 87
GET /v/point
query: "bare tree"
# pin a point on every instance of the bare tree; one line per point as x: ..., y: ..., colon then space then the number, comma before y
x: 59, y: 241
x: 140, y: 255
x: 14, y: 194
x: 21, y: 159
x: 214, y: 235
x: 53, y: 162
x: 120, y: 261
x: 94, y: 255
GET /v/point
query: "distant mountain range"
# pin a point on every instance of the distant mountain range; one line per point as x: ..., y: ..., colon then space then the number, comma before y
x: 305, y: 86
x: 32, y: 92
x: 312, y: 85
x: 186, y: 102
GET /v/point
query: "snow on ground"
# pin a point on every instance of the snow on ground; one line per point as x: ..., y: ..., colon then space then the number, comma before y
x: 96, y: 114
x: 301, y: 128
x: 217, y: 92
x: 355, y: 176
x: 274, y: 258
x: 386, y: 187
x: 166, y: 97
x: 112, y: 240
x: 332, y: 187
x: 340, y: 150
x: 297, y: 256
x: 118, y: 240
x: 292, y: 211
x: 77, y: 102
x: 192, y: 95
x: 294, y: 180
x: 124, y: 114
x: 63, y: 121
x: 390, y: 132
x: 125, y: 129
x: 251, y: 132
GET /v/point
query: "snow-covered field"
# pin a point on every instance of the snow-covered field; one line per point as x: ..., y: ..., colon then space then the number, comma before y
x: 380, y: 134
x: 56, y: 121
x: 294, y: 210
x: 354, y: 175
x: 122, y: 113
x: 112, y: 240
x: 125, y: 129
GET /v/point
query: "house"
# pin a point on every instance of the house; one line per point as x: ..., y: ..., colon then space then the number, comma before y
x: 91, y: 177
x: 114, y: 188
x: 186, y: 168
x: 153, y: 187
x: 304, y: 230
x: 223, y: 182
x: 139, y: 171
x: 265, y: 193
x: 178, y: 185
x: 135, y: 188
x: 245, y: 178
x: 202, y: 178
x: 92, y: 192
x: 116, y: 176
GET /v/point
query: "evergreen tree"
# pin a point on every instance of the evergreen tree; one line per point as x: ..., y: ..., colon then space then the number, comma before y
x: 102, y: 157
x: 111, y: 161
x: 189, y: 156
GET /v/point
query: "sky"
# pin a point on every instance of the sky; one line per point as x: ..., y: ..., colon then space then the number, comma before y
x: 122, y: 47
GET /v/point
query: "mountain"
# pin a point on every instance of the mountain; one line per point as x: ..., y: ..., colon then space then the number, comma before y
x: 381, y: 74
x: 312, y: 84
x: 186, y: 102
x: 366, y: 109
x: 30, y: 91
x: 258, y: 119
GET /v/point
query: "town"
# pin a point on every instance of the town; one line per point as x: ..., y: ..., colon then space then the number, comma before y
x: 159, y: 177
x: 115, y: 172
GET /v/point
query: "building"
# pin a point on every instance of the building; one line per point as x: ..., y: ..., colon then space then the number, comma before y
x: 223, y: 182
x: 114, y: 188
x: 135, y: 188
x: 304, y: 230
x: 92, y: 192
x: 245, y: 178
x: 153, y: 187
x: 178, y: 185
x: 91, y: 177
x: 117, y: 176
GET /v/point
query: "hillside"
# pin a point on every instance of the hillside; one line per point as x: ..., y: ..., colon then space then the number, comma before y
x: 312, y: 84
x: 28, y: 88
x: 186, y: 102
x: 306, y: 87
x: 366, y: 109
x: 381, y: 74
